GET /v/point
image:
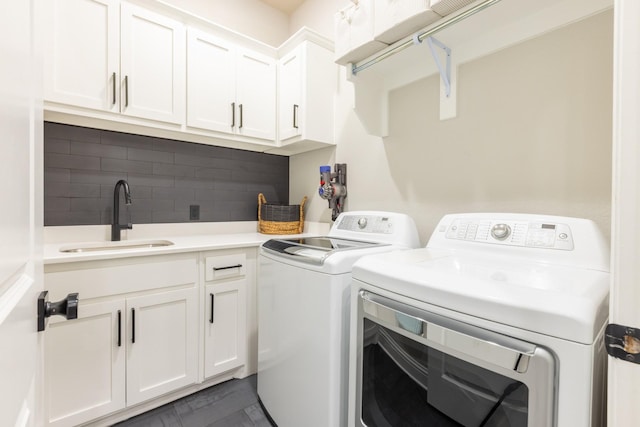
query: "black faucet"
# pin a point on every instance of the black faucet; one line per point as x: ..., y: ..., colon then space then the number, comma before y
x: 115, y: 224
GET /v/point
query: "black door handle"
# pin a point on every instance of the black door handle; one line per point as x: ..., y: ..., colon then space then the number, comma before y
x: 67, y: 308
x: 119, y: 328
x: 228, y: 267
x: 212, y: 303
x: 133, y: 326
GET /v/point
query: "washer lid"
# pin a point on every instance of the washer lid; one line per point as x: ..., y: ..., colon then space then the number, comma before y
x: 315, y: 249
x: 564, y: 302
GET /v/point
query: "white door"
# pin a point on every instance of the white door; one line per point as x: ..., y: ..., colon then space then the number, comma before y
x: 90, y: 347
x: 21, y: 214
x: 81, y: 55
x: 162, y: 346
x: 289, y: 94
x: 211, y: 82
x: 152, y: 64
x: 225, y: 327
x: 624, y: 377
x: 256, y: 95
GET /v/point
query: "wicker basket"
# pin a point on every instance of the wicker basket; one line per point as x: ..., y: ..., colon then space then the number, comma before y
x: 280, y: 219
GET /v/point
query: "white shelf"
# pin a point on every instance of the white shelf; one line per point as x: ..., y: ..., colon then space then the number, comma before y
x: 502, y: 25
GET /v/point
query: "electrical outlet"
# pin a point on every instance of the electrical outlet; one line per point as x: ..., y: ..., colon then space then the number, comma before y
x: 194, y: 212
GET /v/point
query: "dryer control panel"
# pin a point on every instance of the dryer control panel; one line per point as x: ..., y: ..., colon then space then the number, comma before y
x: 533, y: 234
x: 559, y: 240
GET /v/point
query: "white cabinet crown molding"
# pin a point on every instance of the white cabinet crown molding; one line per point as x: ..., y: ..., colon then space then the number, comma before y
x: 302, y: 35
x: 192, y: 20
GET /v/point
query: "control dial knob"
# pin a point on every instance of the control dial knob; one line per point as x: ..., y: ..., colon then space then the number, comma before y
x: 500, y: 231
x: 362, y: 222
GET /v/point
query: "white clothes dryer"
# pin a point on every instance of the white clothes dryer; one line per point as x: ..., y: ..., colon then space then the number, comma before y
x: 499, y: 321
x: 303, y: 315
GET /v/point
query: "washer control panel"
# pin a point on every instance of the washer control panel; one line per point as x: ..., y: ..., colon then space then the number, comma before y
x: 529, y: 234
x: 367, y: 224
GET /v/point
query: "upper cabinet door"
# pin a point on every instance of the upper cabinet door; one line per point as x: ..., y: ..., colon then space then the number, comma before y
x: 211, y: 89
x: 256, y: 95
x: 290, y: 94
x: 152, y: 62
x: 81, y: 53
x: 306, y: 88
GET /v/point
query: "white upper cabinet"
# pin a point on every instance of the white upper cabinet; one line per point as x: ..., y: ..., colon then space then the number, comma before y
x: 230, y: 89
x: 115, y: 57
x: 155, y: 70
x: 256, y: 94
x: 211, y: 81
x: 82, y: 53
x: 289, y: 94
x: 152, y: 65
x: 306, y: 86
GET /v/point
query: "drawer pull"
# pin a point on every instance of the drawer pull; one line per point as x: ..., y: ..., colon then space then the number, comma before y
x: 227, y: 267
x: 212, y: 305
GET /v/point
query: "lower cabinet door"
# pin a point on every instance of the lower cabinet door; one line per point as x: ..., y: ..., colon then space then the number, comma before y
x: 161, y: 343
x: 84, y: 372
x: 225, y: 326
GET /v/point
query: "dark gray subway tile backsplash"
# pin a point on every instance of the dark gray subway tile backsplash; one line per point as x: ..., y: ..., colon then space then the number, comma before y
x: 166, y: 177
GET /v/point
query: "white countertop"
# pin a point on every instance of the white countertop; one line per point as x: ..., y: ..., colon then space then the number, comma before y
x: 181, y: 243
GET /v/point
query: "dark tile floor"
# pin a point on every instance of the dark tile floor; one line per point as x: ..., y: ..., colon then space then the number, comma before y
x: 230, y: 404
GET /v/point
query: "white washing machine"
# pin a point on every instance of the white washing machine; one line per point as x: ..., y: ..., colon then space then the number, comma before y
x: 303, y: 315
x: 499, y: 321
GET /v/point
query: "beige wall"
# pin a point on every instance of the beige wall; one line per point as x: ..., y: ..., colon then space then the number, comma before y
x: 532, y: 134
x: 252, y: 18
x: 316, y: 14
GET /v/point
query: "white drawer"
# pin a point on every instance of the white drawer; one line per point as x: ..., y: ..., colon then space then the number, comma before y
x: 94, y: 279
x: 225, y: 266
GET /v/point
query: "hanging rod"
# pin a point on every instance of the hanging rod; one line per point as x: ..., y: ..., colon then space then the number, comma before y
x: 356, y: 68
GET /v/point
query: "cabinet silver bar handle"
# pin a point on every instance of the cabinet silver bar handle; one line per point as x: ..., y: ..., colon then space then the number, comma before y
x: 133, y: 326
x: 126, y: 91
x: 228, y: 267
x: 240, y: 106
x: 233, y: 114
x: 113, y: 79
x: 212, y: 305
x: 295, y: 116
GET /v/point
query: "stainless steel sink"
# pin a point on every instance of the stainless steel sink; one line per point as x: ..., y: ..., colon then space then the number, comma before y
x: 115, y: 246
